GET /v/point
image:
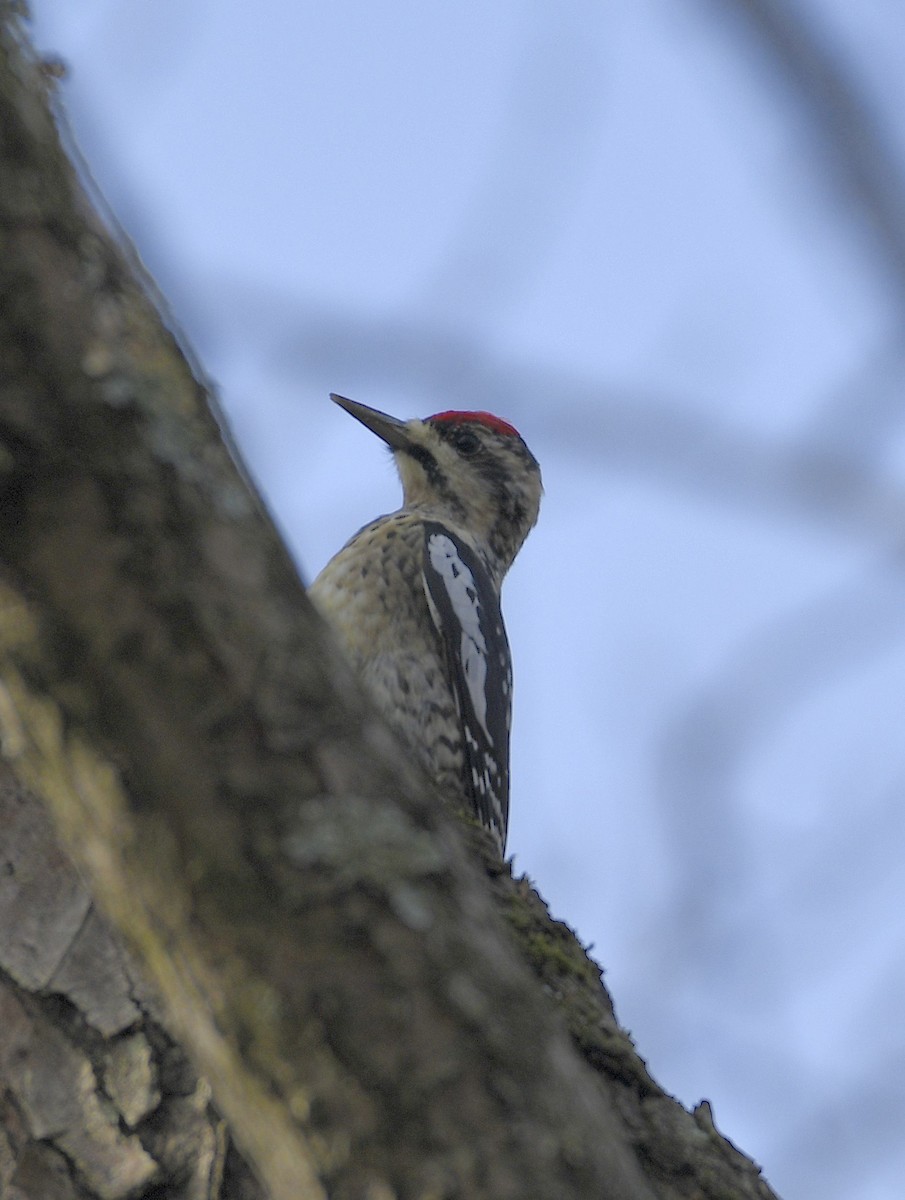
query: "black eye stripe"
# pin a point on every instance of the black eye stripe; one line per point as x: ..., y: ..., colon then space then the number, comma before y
x: 461, y: 437
x: 465, y: 441
x: 428, y: 463
x: 435, y: 477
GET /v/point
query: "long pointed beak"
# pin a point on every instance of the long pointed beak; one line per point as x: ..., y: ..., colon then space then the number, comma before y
x: 390, y: 429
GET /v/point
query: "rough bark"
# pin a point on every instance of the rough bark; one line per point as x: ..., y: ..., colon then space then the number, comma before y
x: 98, y: 1099
x: 328, y: 951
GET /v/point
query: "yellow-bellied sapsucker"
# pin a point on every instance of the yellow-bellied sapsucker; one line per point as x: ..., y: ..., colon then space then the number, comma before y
x: 415, y: 597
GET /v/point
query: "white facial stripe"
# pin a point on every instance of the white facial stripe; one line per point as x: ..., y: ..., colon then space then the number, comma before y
x: 463, y: 595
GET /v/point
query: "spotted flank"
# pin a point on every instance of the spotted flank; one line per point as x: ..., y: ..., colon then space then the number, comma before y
x: 466, y: 612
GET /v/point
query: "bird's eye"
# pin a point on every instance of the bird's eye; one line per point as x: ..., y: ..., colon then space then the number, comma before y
x: 466, y: 442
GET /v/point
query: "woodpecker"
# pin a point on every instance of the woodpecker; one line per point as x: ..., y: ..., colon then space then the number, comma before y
x: 415, y: 597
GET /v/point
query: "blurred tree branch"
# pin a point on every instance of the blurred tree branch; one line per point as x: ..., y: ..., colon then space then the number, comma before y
x: 825, y: 482
x: 858, y: 154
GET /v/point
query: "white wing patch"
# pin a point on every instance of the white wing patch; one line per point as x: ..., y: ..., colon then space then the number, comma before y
x: 463, y: 595
x: 465, y: 608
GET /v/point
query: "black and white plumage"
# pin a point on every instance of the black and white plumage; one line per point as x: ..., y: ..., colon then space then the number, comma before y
x: 466, y: 612
x: 415, y: 598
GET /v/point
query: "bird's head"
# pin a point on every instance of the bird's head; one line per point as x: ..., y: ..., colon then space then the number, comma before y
x: 469, y: 469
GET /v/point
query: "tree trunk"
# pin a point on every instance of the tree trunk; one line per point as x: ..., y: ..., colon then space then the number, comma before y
x: 370, y: 1009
